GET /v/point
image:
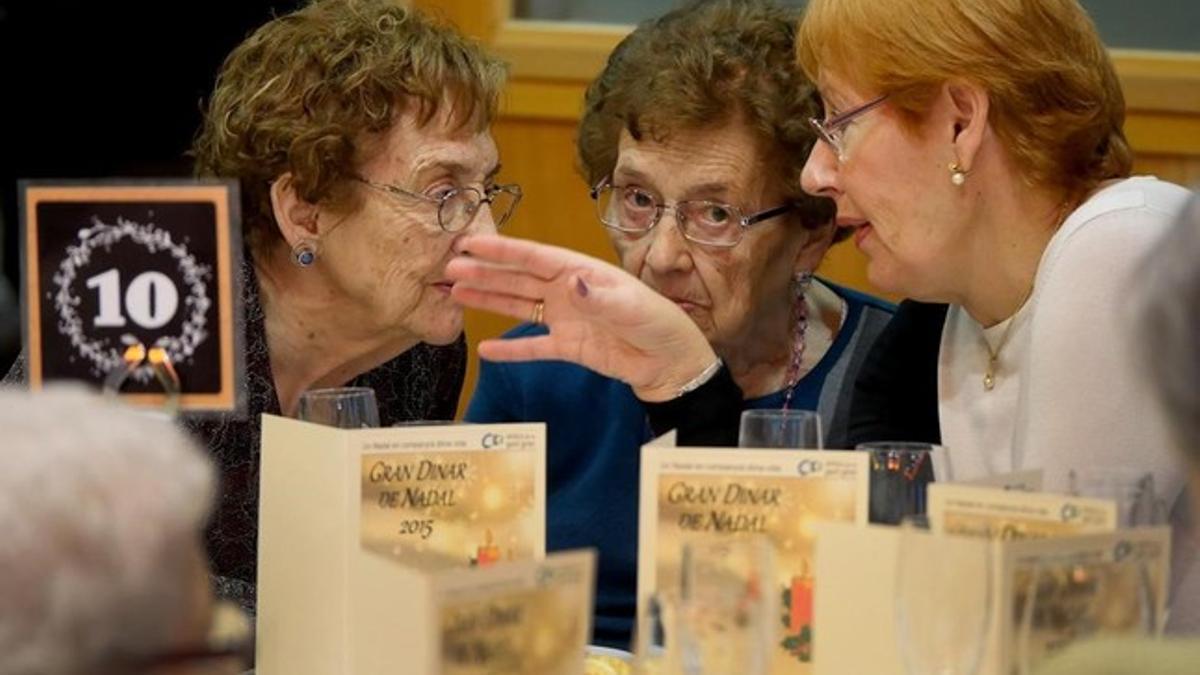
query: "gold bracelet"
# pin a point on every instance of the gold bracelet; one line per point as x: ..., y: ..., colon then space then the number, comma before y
x: 704, y: 376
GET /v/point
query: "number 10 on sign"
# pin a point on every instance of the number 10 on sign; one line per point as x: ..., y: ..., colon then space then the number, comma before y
x: 151, y: 299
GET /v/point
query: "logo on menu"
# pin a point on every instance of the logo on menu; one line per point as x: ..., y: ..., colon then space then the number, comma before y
x: 810, y: 467
x: 492, y: 440
x: 1069, y: 513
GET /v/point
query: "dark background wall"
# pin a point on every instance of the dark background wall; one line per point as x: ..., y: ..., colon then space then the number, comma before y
x: 1141, y: 24
x: 99, y: 89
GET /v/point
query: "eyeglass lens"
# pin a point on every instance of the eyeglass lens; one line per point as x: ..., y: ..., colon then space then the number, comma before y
x: 632, y: 210
x: 460, y: 208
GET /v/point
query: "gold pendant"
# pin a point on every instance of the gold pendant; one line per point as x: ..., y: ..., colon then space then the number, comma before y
x: 989, y: 381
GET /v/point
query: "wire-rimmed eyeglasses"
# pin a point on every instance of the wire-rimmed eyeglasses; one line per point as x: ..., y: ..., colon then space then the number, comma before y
x: 635, y: 211
x: 459, y: 206
x: 832, y: 130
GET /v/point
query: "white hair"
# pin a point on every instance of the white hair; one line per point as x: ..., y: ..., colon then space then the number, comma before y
x: 1167, y: 306
x: 101, y: 513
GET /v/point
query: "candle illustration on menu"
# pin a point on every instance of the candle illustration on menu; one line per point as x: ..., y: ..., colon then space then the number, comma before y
x: 488, y: 553
x: 798, y: 601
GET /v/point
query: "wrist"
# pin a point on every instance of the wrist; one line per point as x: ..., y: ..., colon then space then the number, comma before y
x: 681, y: 380
x: 701, y: 378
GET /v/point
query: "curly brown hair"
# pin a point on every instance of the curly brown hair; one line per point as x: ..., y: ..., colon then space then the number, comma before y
x: 708, y: 63
x: 307, y: 92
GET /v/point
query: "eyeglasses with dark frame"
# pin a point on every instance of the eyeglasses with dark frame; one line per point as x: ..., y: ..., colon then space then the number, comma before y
x: 459, y: 206
x: 705, y: 222
x: 831, y: 130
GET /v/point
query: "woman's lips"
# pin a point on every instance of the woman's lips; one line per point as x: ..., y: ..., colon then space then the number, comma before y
x: 860, y: 233
x: 685, y: 304
x: 443, y: 286
x: 861, y: 228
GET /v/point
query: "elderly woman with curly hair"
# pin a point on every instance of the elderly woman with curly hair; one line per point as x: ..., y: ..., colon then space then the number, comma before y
x: 359, y: 132
x: 693, y: 140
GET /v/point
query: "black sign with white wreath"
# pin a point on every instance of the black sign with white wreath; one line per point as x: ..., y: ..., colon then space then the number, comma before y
x: 132, y: 287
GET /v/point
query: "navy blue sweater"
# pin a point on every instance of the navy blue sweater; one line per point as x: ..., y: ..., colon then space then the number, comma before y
x: 595, y: 430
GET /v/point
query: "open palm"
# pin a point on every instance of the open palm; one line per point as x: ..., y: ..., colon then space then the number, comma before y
x: 598, y: 315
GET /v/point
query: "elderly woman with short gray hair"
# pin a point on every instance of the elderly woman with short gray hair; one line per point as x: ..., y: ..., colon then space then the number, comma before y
x: 102, y: 566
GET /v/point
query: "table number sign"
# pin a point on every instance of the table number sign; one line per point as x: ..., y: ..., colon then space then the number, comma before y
x: 698, y: 494
x: 357, y: 527
x: 133, y: 286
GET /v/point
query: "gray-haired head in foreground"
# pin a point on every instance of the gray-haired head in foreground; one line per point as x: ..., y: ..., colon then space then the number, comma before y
x: 101, y: 510
x: 1168, y: 309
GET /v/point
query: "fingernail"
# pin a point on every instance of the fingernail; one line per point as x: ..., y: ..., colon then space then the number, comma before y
x: 581, y: 287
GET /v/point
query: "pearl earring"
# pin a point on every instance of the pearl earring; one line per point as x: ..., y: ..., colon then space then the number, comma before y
x: 958, y: 175
x: 304, y: 254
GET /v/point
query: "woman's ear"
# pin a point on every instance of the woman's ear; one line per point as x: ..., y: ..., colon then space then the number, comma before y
x: 968, y: 106
x: 295, y: 217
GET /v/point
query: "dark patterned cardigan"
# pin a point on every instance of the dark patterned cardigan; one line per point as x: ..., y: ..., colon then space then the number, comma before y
x: 423, y: 383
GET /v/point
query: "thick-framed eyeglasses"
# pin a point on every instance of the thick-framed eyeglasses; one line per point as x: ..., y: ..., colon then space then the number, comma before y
x: 456, y: 208
x: 833, y: 130
x: 634, y: 211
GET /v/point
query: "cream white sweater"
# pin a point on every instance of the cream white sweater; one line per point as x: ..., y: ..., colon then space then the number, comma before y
x: 1069, y: 393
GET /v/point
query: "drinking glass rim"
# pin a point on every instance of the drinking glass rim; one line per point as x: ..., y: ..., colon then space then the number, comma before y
x: 780, y: 412
x: 326, y: 392
x: 893, y: 446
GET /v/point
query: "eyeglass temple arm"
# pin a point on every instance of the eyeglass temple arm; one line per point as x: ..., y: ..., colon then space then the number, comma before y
x: 769, y: 213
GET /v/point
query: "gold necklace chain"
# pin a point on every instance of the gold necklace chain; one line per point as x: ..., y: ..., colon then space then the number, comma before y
x: 989, y: 376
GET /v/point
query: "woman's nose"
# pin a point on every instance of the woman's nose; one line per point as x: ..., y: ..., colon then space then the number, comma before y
x: 820, y: 175
x: 669, y: 250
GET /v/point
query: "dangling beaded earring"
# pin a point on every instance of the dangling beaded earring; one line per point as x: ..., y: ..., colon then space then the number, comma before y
x: 958, y: 175
x: 304, y: 253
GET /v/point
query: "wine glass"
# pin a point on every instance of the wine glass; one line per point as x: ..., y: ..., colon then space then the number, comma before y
x: 775, y: 428
x: 652, y: 633
x: 1138, y: 503
x: 900, y: 473
x: 1058, y: 603
x: 728, y: 614
x: 343, y: 407
x: 943, y: 600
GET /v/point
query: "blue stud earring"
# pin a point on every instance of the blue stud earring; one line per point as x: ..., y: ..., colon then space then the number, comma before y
x: 304, y: 254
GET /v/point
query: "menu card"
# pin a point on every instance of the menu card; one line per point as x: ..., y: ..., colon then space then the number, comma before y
x: 1060, y: 571
x: 453, y: 495
x: 1054, y: 592
x: 353, y: 523
x: 1013, y: 514
x: 698, y: 494
x: 526, y: 618
x: 1029, y: 480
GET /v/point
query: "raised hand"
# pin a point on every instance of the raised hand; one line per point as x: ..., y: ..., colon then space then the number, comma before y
x: 599, y: 316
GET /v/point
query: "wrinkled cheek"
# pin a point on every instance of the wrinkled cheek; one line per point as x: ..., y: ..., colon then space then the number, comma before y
x: 400, y: 289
